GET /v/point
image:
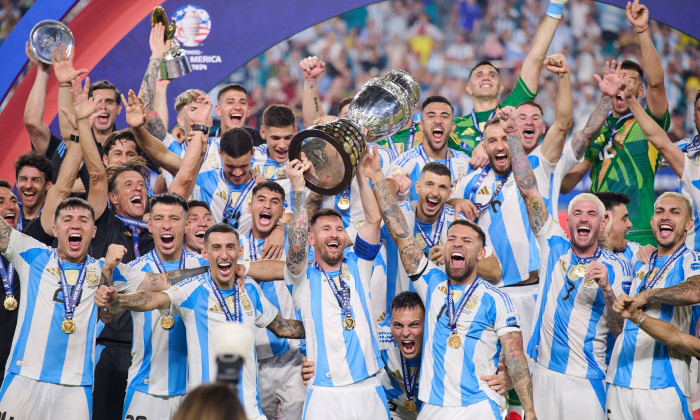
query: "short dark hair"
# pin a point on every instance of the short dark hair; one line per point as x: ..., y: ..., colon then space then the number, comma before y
x: 532, y: 103
x: 278, y: 116
x: 346, y: 100
x: 436, y: 168
x: 121, y: 135
x: 268, y: 185
x: 229, y: 87
x: 198, y: 203
x: 612, y: 199
x: 697, y: 96
x: 324, y: 212
x: 631, y: 65
x: 169, y: 199
x: 221, y: 228
x: 470, y: 224
x: 136, y: 164
x: 436, y: 98
x: 5, y: 184
x: 104, y: 84
x: 74, y: 203
x: 236, y: 142
x: 492, y: 121
x: 483, y: 63
x: 36, y: 160
x: 407, y: 300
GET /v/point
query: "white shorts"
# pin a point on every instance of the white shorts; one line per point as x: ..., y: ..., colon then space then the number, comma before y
x: 27, y: 399
x: 142, y: 406
x: 363, y: 400
x: 654, y: 404
x: 524, y: 299
x: 280, y: 386
x: 483, y: 410
x: 558, y: 396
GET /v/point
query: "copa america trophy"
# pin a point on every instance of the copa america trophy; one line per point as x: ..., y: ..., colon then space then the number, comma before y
x: 47, y: 35
x: 175, y: 63
x: 382, y: 107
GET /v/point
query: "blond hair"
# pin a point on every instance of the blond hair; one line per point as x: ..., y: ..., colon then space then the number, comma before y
x: 588, y: 197
x: 671, y: 194
x: 186, y: 98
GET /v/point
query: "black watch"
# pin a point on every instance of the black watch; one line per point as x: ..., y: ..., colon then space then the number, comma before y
x: 200, y: 127
x: 74, y: 138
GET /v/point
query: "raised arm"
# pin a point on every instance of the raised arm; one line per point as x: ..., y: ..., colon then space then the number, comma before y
x: 553, y: 142
x: 184, y: 181
x: 63, y: 187
x: 287, y: 328
x: 65, y: 73
x: 299, y: 225
x: 532, y: 66
x: 519, y: 373
x: 656, y: 135
x: 154, y: 125
x: 522, y: 172
x: 84, y: 108
x: 638, y: 16
x: 39, y: 132
x: 311, y: 109
x: 369, y: 231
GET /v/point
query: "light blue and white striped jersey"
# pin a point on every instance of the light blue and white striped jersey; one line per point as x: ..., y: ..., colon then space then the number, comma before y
x: 397, y: 280
x: 570, y: 332
x: 214, y: 190
x: 267, y: 344
x: 195, y: 302
x: 630, y: 256
x: 690, y: 188
x: 504, y: 217
x: 449, y: 376
x: 159, y: 356
x: 411, y: 163
x: 212, y: 160
x: 40, y: 349
x: 355, y: 213
x: 272, y: 170
x: 391, y: 377
x: 639, y: 361
x: 342, y: 356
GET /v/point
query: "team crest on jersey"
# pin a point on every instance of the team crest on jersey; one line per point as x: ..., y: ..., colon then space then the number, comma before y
x: 246, y: 303
x: 472, y: 302
x: 92, y: 279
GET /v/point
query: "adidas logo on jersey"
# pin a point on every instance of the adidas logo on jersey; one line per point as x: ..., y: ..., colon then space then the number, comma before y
x: 484, y: 190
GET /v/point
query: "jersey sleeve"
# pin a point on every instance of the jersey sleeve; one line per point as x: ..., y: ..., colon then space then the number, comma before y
x: 518, y: 95
x: 691, y: 265
x: 265, y: 312
x: 178, y: 294
x: 620, y: 276
x: 691, y: 179
x: 298, y: 282
x: 543, y: 174
x: 505, y: 318
x: 19, y: 243
x: 126, y: 279
x: 460, y: 190
x: 421, y: 278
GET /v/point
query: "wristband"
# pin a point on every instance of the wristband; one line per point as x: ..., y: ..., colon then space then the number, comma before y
x: 554, y: 10
x: 643, y: 30
x: 64, y: 84
x: 511, y: 132
x: 74, y: 138
x: 200, y: 127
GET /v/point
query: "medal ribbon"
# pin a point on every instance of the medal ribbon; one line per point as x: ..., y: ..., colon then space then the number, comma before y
x: 435, y: 240
x: 426, y: 159
x: 133, y: 224
x: 392, y: 147
x: 234, y: 212
x: 70, y: 300
x: 20, y: 223
x: 342, y: 295
x: 618, y: 124
x: 477, y: 185
x: 452, y: 313
x: 411, y: 137
x: 409, y: 381
x: 693, y: 146
x: 652, y: 261
x: 252, y: 247
x: 475, y: 121
x: 159, y: 262
x: 237, y: 315
x: 587, y: 260
x: 8, y: 278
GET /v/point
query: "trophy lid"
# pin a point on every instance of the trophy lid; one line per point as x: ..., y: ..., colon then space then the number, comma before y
x: 47, y: 35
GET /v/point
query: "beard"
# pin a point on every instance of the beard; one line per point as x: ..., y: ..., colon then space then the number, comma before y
x: 459, y: 275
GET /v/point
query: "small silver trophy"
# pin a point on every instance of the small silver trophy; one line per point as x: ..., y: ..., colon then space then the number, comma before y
x: 47, y: 35
x: 382, y: 107
x: 175, y: 63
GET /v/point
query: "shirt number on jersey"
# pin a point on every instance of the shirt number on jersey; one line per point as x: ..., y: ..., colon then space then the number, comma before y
x: 58, y: 295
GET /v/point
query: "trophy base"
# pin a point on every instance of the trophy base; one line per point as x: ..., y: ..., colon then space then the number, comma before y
x: 172, y: 67
x: 334, y: 150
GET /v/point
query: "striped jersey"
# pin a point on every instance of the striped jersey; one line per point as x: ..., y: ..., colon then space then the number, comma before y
x: 391, y: 377
x: 342, y: 356
x: 627, y: 163
x: 272, y: 170
x: 504, y: 216
x: 40, y: 349
x: 159, y: 355
x: 411, y: 163
x: 215, y: 190
x: 279, y: 294
x: 639, y: 361
x: 212, y: 160
x: 690, y: 188
x: 195, y: 302
x: 450, y: 376
x: 570, y: 331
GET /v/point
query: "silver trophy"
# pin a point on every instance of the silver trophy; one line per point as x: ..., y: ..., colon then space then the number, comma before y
x: 175, y: 63
x: 47, y: 35
x: 382, y: 107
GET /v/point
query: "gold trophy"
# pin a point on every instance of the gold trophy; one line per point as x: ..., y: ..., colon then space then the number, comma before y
x: 175, y: 63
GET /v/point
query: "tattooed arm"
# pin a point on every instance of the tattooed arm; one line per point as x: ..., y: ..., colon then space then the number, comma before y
x: 299, y: 225
x: 518, y: 371
x: 142, y: 301
x: 522, y: 172
x: 369, y: 231
x: 683, y: 294
x: 311, y: 109
x: 154, y: 124
x: 313, y: 203
x: 156, y: 282
x: 287, y: 328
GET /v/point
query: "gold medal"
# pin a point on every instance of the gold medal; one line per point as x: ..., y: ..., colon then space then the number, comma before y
x: 349, y: 323
x: 579, y: 270
x: 343, y: 203
x: 68, y: 326
x: 167, y: 322
x: 454, y: 341
x: 409, y: 405
x: 10, y: 303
